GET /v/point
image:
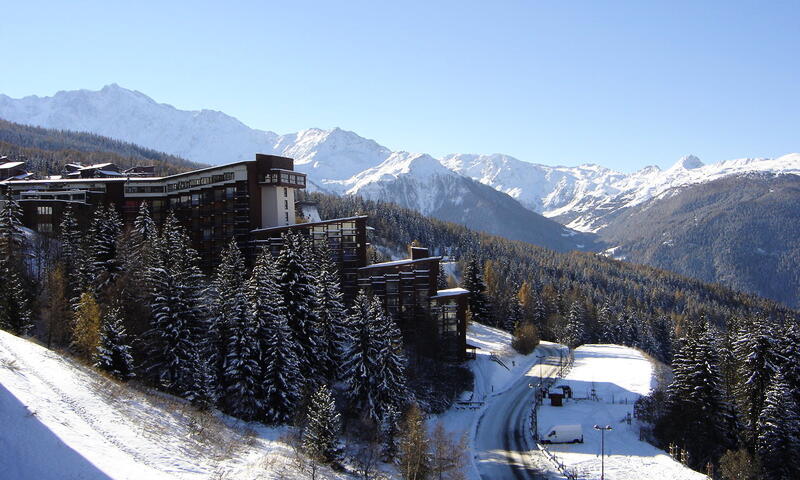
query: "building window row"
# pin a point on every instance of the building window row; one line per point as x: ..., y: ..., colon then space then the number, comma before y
x: 197, y: 182
x: 44, y: 210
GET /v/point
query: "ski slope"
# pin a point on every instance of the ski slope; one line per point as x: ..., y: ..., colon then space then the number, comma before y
x: 62, y: 421
x: 617, y: 376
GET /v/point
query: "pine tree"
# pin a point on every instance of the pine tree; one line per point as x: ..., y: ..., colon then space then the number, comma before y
x: 329, y: 315
x: 389, y: 428
x: 73, y: 254
x: 790, y: 353
x: 778, y: 432
x: 242, y: 364
x: 15, y: 312
x: 226, y: 303
x: 282, y: 381
x: 473, y: 281
x: 11, y: 233
x: 323, y: 423
x: 203, y: 391
x: 359, y: 370
x: 298, y: 297
x: 575, y: 329
x: 86, y: 334
x: 391, y: 390
x: 441, y: 278
x: 178, y: 311
x: 756, y: 347
x: 105, y: 228
x: 114, y: 352
x: 697, y: 414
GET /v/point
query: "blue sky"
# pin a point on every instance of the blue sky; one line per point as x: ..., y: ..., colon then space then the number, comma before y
x: 622, y: 84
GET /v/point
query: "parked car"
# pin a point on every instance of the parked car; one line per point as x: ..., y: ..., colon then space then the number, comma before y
x: 564, y: 434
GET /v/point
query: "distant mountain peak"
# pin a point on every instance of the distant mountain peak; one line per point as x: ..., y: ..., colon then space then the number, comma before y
x: 688, y: 162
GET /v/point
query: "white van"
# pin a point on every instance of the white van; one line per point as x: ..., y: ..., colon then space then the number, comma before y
x: 564, y: 434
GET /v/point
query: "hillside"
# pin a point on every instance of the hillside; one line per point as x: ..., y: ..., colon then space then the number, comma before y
x: 62, y: 420
x: 48, y: 150
x: 558, y: 280
x: 741, y: 231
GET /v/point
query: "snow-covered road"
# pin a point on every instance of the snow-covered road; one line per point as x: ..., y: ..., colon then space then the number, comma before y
x: 503, y: 442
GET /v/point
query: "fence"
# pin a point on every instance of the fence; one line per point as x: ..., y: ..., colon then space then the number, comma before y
x: 564, y: 368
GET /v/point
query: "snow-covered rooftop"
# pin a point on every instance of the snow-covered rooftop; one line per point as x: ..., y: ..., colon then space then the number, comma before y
x: 10, y: 165
x: 399, y: 262
x: 450, y: 292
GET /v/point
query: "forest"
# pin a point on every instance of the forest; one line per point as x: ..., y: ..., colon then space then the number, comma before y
x: 731, y: 404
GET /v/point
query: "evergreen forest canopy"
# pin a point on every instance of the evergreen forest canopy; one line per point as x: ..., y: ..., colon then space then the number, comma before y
x: 46, y: 151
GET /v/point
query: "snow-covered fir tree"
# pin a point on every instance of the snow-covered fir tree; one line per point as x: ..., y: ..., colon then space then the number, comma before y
x: 226, y: 303
x: 790, y: 354
x: 778, y: 432
x: 472, y: 280
x: 389, y: 429
x: 204, y: 389
x: 296, y: 285
x: 756, y: 347
x: 698, y: 416
x: 103, y: 233
x: 114, y: 352
x: 359, y: 370
x: 391, y: 390
x: 322, y: 426
x: 72, y: 254
x: 441, y: 278
x: 11, y: 233
x: 374, y: 366
x: 330, y: 317
x: 242, y: 378
x: 575, y: 329
x: 281, y: 381
x: 15, y: 310
x: 178, y: 322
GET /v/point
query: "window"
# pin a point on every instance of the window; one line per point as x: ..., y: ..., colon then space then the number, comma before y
x: 287, y: 217
x: 285, y: 192
x: 44, y: 228
x: 195, y: 199
x: 286, y: 204
x: 44, y: 210
x: 228, y: 176
x: 229, y: 192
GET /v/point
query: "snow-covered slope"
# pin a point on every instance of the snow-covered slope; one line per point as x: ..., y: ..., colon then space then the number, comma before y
x: 618, y: 375
x: 59, y: 420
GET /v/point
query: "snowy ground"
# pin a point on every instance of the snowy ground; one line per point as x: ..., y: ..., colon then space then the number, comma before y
x: 59, y: 420
x: 618, y: 375
x: 491, y: 380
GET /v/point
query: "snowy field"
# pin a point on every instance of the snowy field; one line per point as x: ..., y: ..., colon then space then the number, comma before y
x: 618, y: 376
x: 61, y: 421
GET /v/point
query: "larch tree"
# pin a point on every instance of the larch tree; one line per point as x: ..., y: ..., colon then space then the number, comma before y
x: 86, y: 334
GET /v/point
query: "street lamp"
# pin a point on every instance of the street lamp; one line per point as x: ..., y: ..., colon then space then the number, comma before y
x: 540, y: 357
x: 602, y: 449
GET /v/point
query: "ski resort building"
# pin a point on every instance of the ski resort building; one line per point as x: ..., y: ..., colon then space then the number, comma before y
x: 435, y: 318
x: 254, y: 202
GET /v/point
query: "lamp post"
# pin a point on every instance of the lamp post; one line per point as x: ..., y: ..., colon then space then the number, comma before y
x: 602, y: 449
x: 540, y: 357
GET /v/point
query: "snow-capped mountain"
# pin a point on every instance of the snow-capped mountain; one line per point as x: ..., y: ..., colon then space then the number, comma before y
x: 204, y: 136
x: 584, y: 198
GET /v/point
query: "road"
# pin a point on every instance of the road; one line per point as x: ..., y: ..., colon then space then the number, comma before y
x: 502, y: 442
